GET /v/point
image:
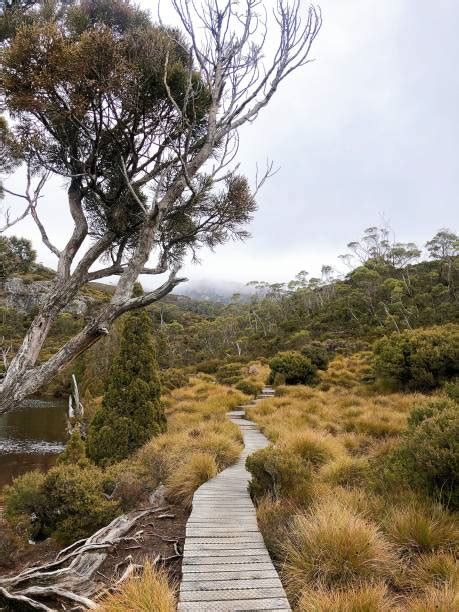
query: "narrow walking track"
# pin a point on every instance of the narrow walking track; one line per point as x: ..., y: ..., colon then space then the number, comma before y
x: 225, y: 562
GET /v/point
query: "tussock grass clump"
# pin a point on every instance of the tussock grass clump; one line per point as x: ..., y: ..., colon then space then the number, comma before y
x: 149, y: 592
x: 364, y: 598
x: 435, y: 600
x: 346, y: 472
x: 437, y: 569
x: 314, y: 448
x: 417, y: 529
x: 280, y: 474
x: 274, y: 518
x: 333, y: 547
x: 183, y: 483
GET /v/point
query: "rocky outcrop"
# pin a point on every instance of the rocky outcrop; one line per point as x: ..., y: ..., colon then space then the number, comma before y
x: 25, y: 297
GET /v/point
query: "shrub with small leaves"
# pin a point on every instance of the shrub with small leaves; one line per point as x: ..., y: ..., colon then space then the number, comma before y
x: 294, y: 367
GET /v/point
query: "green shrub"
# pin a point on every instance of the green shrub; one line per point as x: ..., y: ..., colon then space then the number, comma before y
x: 173, y: 378
x: 210, y: 366
x: 248, y: 387
x: 279, y: 473
x: 427, y: 457
x: 427, y: 410
x: 75, y: 451
x: 230, y: 373
x: 452, y: 389
x: 419, y: 359
x: 68, y: 503
x: 295, y: 367
x: 25, y: 498
x: 10, y: 544
x: 317, y: 353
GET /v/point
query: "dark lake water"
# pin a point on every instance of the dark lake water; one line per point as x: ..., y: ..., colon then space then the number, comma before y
x: 31, y: 436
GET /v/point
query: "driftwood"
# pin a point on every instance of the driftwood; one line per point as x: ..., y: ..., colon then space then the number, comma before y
x: 73, y: 577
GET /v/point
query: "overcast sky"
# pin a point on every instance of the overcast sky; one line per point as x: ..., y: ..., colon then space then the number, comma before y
x: 368, y: 131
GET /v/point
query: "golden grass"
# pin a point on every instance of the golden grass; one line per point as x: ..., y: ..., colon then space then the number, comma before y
x: 333, y: 547
x: 149, y: 592
x: 183, y: 483
x: 364, y: 598
x: 417, y: 529
x: 199, y: 441
x: 346, y: 472
x: 357, y: 540
x: 436, y: 569
x: 445, y: 599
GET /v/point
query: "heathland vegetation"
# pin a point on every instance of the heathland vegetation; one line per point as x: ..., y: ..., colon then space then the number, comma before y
x: 357, y: 494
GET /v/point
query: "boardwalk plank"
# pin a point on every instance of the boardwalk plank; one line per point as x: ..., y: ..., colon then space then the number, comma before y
x: 225, y: 563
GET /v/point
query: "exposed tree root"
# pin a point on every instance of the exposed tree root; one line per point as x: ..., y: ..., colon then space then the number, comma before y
x: 73, y: 577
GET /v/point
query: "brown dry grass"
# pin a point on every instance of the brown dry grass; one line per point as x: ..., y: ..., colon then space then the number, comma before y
x: 357, y: 547
x: 149, y: 592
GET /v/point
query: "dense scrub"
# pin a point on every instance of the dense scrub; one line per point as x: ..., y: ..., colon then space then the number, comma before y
x: 369, y: 521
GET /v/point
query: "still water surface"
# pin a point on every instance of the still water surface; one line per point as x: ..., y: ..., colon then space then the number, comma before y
x: 31, y: 436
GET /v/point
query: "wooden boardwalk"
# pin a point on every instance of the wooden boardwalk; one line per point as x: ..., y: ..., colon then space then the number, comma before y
x: 225, y: 562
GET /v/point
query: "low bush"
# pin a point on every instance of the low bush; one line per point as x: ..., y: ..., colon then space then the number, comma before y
x: 248, y: 387
x: 10, y: 544
x: 427, y: 457
x: 279, y: 473
x: 148, y: 592
x: 294, y: 367
x: 420, y: 359
x: 230, y: 373
x: 428, y: 409
x: 68, y: 503
x: 317, y: 353
x: 364, y: 598
x: 332, y: 547
x: 173, y: 378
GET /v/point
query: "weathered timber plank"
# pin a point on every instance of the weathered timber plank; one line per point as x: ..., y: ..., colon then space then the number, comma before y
x: 239, y: 605
x: 228, y: 595
x: 231, y: 584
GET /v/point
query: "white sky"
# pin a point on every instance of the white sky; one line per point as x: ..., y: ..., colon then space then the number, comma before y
x: 368, y: 131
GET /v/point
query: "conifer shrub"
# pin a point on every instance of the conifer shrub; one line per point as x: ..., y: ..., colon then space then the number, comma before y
x: 279, y: 473
x: 295, y: 367
x: 24, y: 498
x: 131, y: 412
x: 420, y: 359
